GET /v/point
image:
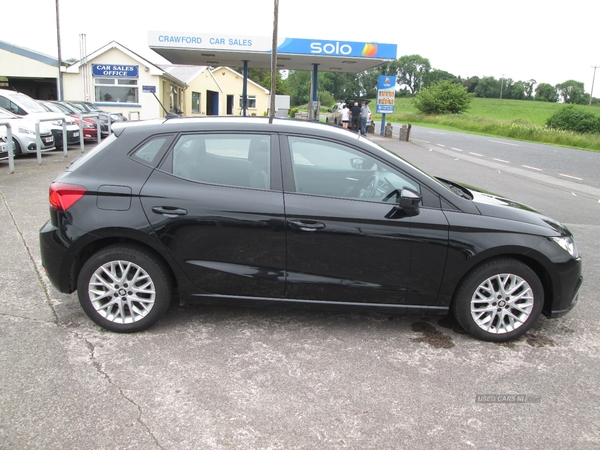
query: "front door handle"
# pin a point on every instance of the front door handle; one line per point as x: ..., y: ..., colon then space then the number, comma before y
x: 169, y: 211
x: 307, y: 225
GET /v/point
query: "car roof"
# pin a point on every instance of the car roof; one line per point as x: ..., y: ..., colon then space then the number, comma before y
x: 242, y: 124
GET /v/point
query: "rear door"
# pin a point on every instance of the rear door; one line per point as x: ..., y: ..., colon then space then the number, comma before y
x: 216, y: 203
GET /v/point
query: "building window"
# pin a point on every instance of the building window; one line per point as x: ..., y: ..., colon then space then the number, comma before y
x: 251, y: 102
x: 196, y: 102
x: 119, y: 90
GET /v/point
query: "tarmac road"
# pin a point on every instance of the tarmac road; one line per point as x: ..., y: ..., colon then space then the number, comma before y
x: 243, y: 378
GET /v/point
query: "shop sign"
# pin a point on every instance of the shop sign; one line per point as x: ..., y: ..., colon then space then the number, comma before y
x: 115, y: 71
x: 386, y: 94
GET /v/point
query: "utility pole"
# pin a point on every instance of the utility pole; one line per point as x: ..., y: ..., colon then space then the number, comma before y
x: 593, y: 79
x: 501, y: 86
x: 60, y: 77
x: 274, y: 62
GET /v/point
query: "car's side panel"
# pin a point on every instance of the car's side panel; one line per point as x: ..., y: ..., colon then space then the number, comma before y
x: 228, y: 240
x: 346, y: 250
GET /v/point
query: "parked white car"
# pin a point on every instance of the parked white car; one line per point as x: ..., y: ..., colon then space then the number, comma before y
x: 23, y: 133
x: 24, y: 106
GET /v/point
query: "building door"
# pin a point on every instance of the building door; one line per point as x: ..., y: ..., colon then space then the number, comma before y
x: 212, y: 103
x: 230, y: 105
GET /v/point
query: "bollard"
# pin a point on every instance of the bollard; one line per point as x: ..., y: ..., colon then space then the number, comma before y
x: 405, y: 132
x: 388, y: 130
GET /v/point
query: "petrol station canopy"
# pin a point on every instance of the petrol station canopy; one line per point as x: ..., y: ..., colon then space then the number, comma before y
x: 292, y: 53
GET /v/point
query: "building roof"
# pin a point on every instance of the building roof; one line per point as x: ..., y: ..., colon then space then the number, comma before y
x: 184, y: 72
x: 215, y: 49
x: 241, y: 76
x: 27, y: 53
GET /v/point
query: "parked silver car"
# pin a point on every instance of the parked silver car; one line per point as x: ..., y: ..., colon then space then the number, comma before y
x: 23, y: 133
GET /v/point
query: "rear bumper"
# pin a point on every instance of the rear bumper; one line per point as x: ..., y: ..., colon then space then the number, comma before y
x: 55, y: 258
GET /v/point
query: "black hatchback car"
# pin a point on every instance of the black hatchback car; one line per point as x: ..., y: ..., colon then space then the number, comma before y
x: 241, y: 210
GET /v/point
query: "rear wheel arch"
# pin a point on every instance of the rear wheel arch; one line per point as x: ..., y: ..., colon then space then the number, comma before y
x: 94, y: 247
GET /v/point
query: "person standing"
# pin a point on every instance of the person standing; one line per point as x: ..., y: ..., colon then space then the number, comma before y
x: 365, y: 112
x: 345, y: 116
x: 355, y: 116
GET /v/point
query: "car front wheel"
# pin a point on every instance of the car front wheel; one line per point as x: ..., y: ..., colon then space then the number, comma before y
x: 499, y: 301
x: 124, y: 288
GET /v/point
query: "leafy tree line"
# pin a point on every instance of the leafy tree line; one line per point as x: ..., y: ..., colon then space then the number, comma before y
x: 415, y: 73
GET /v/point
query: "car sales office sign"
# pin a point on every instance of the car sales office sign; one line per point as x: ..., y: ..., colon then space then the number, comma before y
x: 114, y: 71
x: 386, y: 94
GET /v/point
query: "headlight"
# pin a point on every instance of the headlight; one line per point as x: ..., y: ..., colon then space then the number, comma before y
x: 89, y: 125
x: 567, y: 243
x: 26, y: 131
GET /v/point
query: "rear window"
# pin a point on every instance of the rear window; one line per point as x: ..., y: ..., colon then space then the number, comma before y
x: 86, y: 157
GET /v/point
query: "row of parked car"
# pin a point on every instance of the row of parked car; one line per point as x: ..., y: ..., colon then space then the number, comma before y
x: 19, y: 109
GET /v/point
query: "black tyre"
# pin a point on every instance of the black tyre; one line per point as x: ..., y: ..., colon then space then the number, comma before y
x: 499, y: 301
x: 124, y: 288
x: 17, y: 151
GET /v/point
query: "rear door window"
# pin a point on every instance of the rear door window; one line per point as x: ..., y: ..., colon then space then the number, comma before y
x: 240, y: 160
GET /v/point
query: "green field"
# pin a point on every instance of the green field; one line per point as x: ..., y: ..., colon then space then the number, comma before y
x: 516, y: 119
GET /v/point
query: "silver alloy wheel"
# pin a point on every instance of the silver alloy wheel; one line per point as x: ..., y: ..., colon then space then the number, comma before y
x: 502, y: 303
x: 121, y: 292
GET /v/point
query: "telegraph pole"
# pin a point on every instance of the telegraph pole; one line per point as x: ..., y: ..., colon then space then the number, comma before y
x: 593, y: 79
x: 274, y: 62
x: 60, y: 77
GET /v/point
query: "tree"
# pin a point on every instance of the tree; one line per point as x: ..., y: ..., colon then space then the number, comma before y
x: 339, y: 84
x: 546, y: 93
x: 369, y: 78
x: 437, y: 75
x: 574, y: 119
x: 444, y: 97
x: 69, y: 62
x: 411, y: 71
x: 514, y: 90
x: 529, y: 88
x: 263, y: 78
x: 572, y: 92
x: 471, y: 84
x: 488, y: 87
x: 299, y: 84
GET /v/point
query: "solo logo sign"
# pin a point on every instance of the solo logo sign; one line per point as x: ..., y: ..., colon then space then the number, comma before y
x: 338, y: 48
x: 331, y: 48
x: 345, y: 49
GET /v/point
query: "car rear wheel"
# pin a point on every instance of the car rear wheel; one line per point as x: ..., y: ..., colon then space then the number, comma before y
x: 124, y: 288
x: 499, y: 301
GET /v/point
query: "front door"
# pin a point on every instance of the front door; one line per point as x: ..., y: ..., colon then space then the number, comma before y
x: 346, y: 240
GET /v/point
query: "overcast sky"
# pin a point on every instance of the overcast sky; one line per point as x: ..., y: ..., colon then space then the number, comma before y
x: 547, y: 40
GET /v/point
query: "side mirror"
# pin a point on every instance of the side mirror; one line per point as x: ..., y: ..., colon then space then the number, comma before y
x: 408, y: 204
x: 409, y: 201
x: 362, y: 164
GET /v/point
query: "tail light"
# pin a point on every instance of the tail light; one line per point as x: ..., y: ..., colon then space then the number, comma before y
x: 63, y: 196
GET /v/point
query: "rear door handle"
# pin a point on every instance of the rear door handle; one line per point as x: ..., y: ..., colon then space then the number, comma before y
x: 169, y: 211
x: 307, y: 225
